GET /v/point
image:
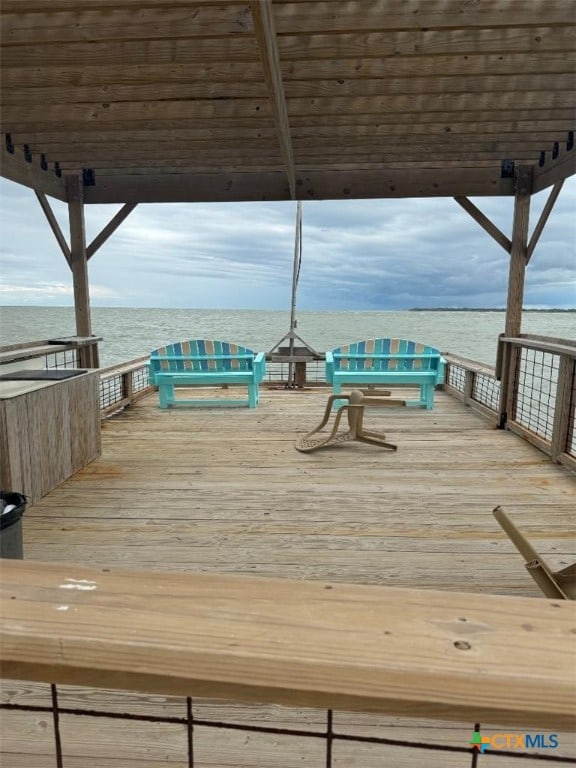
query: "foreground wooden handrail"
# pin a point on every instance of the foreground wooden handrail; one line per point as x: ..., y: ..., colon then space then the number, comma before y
x: 417, y: 653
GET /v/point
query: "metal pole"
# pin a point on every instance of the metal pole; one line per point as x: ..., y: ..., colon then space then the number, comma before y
x: 297, y: 252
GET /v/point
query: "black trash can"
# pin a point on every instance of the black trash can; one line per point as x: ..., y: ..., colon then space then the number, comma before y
x: 12, y: 506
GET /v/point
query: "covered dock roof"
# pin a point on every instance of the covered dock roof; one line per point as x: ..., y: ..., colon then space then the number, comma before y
x: 224, y: 100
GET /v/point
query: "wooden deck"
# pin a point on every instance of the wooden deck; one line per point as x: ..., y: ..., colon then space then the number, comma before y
x: 225, y: 491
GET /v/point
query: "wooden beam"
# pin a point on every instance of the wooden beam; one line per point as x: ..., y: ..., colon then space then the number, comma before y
x: 357, y: 15
x: 240, y: 89
x: 31, y: 175
x: 109, y: 229
x: 79, y: 266
x: 311, y: 185
x: 257, y: 120
x: 125, y: 24
x: 160, y: 20
x: 547, y: 210
x: 485, y: 223
x: 555, y: 171
x: 264, y: 28
x: 54, y: 226
x: 146, y: 112
x: 411, y: 652
x: 532, y: 63
x: 29, y: 6
x: 544, y: 132
x: 305, y: 144
x: 240, y: 48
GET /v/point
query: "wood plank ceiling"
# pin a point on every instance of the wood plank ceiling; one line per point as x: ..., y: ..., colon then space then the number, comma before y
x: 177, y: 100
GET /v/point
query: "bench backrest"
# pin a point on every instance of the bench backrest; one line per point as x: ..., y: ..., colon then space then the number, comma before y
x: 389, y: 355
x: 201, y: 355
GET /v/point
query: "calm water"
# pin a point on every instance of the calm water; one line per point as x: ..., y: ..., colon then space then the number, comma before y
x: 130, y: 333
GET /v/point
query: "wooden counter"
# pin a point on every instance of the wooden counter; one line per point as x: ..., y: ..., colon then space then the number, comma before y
x: 48, y: 431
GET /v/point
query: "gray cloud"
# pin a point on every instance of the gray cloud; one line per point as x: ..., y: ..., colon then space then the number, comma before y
x: 371, y: 254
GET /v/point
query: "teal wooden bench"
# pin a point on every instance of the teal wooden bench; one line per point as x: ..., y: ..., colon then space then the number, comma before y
x: 202, y: 363
x: 388, y: 362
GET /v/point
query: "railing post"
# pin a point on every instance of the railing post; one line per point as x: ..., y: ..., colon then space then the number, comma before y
x: 300, y: 375
x: 468, y: 386
x: 564, y: 396
x: 128, y: 385
x: 503, y: 374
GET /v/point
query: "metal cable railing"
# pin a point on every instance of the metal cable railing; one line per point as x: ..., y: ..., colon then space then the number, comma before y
x: 331, y: 741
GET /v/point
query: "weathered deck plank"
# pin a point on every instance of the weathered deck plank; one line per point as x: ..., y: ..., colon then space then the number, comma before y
x: 224, y: 490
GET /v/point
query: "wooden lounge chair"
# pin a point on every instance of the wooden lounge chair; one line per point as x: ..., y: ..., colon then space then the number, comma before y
x: 560, y: 585
x: 354, y: 409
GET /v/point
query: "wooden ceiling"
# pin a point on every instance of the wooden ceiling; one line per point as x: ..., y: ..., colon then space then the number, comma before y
x: 170, y: 100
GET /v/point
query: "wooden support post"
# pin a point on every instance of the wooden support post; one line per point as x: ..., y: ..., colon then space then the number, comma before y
x: 79, y: 265
x: 519, y: 251
x: 300, y: 375
x: 564, y: 398
x: 518, y: 261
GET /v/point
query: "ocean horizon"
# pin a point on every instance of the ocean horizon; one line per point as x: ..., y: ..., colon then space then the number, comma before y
x: 130, y: 332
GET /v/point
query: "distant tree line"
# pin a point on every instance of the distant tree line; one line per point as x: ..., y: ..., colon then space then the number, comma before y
x: 481, y: 309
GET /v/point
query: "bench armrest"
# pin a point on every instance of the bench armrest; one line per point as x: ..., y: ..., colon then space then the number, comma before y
x: 441, y: 376
x: 329, y: 367
x: 260, y: 366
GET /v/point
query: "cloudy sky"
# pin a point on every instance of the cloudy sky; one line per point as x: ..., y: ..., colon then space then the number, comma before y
x: 366, y: 254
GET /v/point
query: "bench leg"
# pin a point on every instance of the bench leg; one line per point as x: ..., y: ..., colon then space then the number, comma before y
x: 166, y: 394
x: 427, y: 396
x: 253, y: 395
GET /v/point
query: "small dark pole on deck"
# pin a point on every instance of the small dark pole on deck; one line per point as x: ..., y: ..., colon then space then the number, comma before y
x: 88, y: 356
x: 518, y: 260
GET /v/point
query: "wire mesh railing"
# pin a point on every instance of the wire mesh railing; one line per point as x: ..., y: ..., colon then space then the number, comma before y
x: 207, y: 733
x: 68, y: 358
x: 535, y: 389
x: 538, y: 401
x: 121, y: 385
x: 278, y: 373
x: 533, y: 392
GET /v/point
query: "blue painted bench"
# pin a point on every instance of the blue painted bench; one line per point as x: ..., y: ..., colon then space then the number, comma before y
x: 202, y: 363
x: 388, y: 362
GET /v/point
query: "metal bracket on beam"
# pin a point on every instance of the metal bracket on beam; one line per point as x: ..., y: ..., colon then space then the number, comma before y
x: 57, y: 169
x: 542, y: 159
x: 88, y: 177
x: 570, y: 141
x: 555, y: 150
x: 27, y: 153
x: 10, y: 144
x: 507, y: 169
x: 43, y: 162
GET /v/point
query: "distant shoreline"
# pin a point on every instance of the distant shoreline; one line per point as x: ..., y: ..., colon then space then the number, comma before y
x: 480, y: 309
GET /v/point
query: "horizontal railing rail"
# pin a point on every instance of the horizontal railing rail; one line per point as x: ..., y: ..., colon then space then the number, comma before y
x: 48, y: 353
x: 411, y: 653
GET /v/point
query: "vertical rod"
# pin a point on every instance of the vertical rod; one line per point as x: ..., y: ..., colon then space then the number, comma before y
x: 295, y: 271
x: 56, y: 721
